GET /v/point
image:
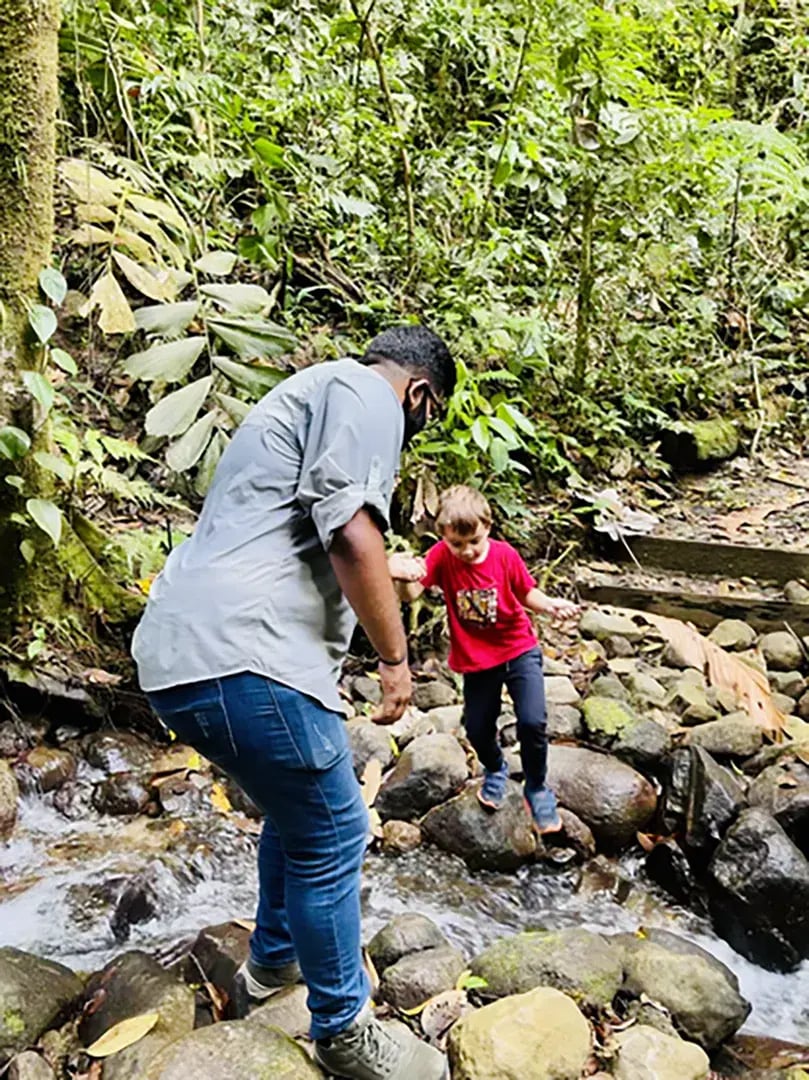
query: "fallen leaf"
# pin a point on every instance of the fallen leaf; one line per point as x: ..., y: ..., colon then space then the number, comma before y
x: 121, y: 1035
x: 219, y: 1000
x: 371, y: 781
x: 376, y: 824
x: 245, y: 924
x: 100, y: 678
x: 441, y: 1012
x: 370, y: 969
x: 219, y: 799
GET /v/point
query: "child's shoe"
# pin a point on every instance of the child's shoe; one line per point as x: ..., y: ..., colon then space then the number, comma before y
x: 493, y: 790
x: 541, y: 804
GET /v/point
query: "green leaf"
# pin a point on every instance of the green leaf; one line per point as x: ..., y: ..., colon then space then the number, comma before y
x: 480, y: 433
x: 187, y: 451
x: 168, y: 319
x: 53, y: 284
x: 63, y: 360
x: 246, y: 299
x: 38, y: 387
x: 175, y: 413
x: 348, y: 204
x: 15, y: 481
x: 250, y: 377
x: 14, y: 443
x: 28, y: 551
x: 156, y: 208
x: 216, y: 262
x: 55, y: 464
x: 216, y: 447
x: 47, y: 516
x: 498, y: 452
x: 170, y: 361
x: 43, y: 322
x: 148, y: 280
x: 270, y: 153
x: 251, y: 338
x: 236, y: 410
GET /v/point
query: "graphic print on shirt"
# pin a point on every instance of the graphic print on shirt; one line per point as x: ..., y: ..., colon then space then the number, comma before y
x: 477, y: 605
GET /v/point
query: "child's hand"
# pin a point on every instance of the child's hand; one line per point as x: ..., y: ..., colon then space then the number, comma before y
x: 561, y: 609
x: 404, y: 567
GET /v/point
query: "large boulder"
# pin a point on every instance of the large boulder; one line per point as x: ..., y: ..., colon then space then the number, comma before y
x: 403, y: 935
x: 370, y: 741
x: 587, y: 966
x: 33, y: 993
x: 735, y: 736
x: 700, y: 993
x: 9, y: 793
x: 608, y: 795
x: 760, y: 882
x: 647, y: 1054
x: 538, y: 1034
x: 421, y: 975
x: 286, y: 1010
x: 715, y: 798
x: 232, y: 1051
x: 218, y: 953
x: 782, y: 790
x: 430, y: 770
x: 486, y: 841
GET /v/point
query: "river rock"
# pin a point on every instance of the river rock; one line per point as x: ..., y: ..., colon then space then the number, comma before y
x: 781, y: 650
x: 677, y: 790
x: 428, y: 771
x: 700, y: 993
x: 564, y: 722
x: 803, y: 706
x: 45, y: 769
x: 611, y: 797
x: 364, y: 688
x: 433, y: 694
x: 30, y: 1066
x: 761, y: 892
x: 370, y: 742
x: 791, y: 683
x: 645, y: 688
x: 559, y: 690
x: 618, y: 648
x: 737, y: 735
x: 715, y: 799
x: 733, y: 635
x: 604, y: 717
x: 119, y: 751
x: 486, y: 841
x: 609, y: 686
x: 120, y: 794
x: 574, y: 841
x: 643, y: 744
x: 783, y: 791
x: 218, y: 952
x: 33, y: 993
x: 647, y: 1054
x: 690, y: 701
x: 403, y: 935
x: 9, y: 793
x: 667, y: 865
x: 234, y: 1050
x: 585, y: 965
x: 286, y: 1010
x: 445, y: 720
x: 400, y: 837
x: 130, y: 985
x: 784, y: 703
x: 421, y: 975
x: 601, y: 624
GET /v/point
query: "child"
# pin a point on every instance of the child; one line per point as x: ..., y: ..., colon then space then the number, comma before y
x: 487, y: 588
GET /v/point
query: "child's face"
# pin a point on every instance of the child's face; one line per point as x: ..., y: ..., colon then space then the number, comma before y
x: 469, y: 547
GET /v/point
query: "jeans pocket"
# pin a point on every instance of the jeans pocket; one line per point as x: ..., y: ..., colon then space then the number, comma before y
x: 203, y: 724
x: 312, y: 737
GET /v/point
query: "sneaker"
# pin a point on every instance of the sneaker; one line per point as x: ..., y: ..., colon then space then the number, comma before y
x: 370, y: 1050
x: 541, y: 805
x: 253, y: 983
x: 493, y: 790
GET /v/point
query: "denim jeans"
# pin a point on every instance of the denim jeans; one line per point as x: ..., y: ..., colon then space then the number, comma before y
x: 292, y: 757
x: 482, y: 697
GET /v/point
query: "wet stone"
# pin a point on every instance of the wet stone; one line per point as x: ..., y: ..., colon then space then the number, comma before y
x: 575, y: 839
x: 33, y: 993
x: 403, y: 935
x: 715, y: 799
x: 400, y: 837
x: 119, y: 751
x: 9, y: 793
x: 421, y: 975
x: 45, y: 769
x: 432, y: 695
x: 218, y: 953
x: 429, y: 771
x: 667, y: 865
x: 121, y: 793
x: 486, y: 841
x: 782, y: 789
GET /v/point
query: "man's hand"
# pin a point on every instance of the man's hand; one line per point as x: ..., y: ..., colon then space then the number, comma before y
x: 396, y: 691
x: 405, y: 567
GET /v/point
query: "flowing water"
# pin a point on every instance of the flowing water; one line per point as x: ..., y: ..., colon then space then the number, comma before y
x: 58, y: 878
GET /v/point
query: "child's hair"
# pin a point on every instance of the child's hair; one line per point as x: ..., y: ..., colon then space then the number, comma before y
x: 462, y: 509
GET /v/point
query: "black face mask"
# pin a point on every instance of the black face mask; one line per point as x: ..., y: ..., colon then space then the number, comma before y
x: 415, y: 419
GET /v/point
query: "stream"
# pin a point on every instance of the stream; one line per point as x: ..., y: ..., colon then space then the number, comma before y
x: 59, y: 879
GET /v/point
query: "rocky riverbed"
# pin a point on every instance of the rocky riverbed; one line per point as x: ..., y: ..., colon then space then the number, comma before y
x: 668, y: 916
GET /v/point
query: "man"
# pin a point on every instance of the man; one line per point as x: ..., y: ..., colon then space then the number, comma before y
x: 240, y: 649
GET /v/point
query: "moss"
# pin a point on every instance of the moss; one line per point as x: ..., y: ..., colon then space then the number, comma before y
x: 13, y: 1024
x: 605, y: 716
x: 714, y: 440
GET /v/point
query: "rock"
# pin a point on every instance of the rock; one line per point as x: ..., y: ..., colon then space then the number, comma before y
x: 30, y: 1066
x: 45, y: 769
x: 574, y: 838
x: 733, y: 635
x: 699, y: 442
x: 611, y: 797
x: 700, y: 993
x: 761, y: 892
x: 754, y: 658
x: 736, y: 735
x: 782, y: 790
x: 403, y: 935
x: 643, y: 744
x: 606, y: 717
x: 286, y: 1010
x: 601, y: 624
x: 233, y: 1050
x: 586, y: 966
x: 690, y: 701
x: 609, y: 686
x: 400, y: 837
x: 445, y: 720
x: 564, y: 722
x: 218, y: 953
x: 796, y: 592
x: 33, y: 993
x: 486, y: 841
x: 139, y: 899
x: 715, y: 799
x: 677, y: 790
x: 803, y: 706
x: 540, y: 1034
x: 559, y: 690
x: 781, y: 650
x: 429, y: 770
x: 433, y: 694
x: 119, y: 751
x: 364, y: 688
x: 791, y: 683
x: 647, y: 1054
x: 122, y: 793
x: 130, y: 985
x: 368, y: 742
x: 9, y: 793
x: 667, y: 865
x: 552, y: 665
x: 184, y: 796
x: 419, y: 976
x: 723, y: 698
x: 645, y: 688
x: 618, y: 647
x: 784, y: 703
x: 652, y: 1015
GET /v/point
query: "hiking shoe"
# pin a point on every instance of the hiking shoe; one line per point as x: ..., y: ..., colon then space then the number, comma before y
x: 253, y: 983
x: 493, y: 790
x: 370, y: 1050
x: 541, y: 805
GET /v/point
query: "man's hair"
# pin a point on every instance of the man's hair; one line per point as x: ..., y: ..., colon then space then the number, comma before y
x: 462, y: 509
x: 419, y: 351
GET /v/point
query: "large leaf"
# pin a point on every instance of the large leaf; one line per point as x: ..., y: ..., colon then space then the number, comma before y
x: 187, y: 451
x: 159, y: 237
x: 176, y: 412
x: 14, y: 442
x: 255, y: 380
x: 253, y: 338
x: 236, y: 410
x: 39, y: 388
x: 47, y: 516
x: 205, y: 473
x: 170, y: 361
x: 53, y: 284
x: 115, y: 313
x: 154, y: 283
x: 64, y: 361
x: 168, y: 319
x: 248, y: 299
x: 43, y: 322
x: 216, y: 262
x: 59, y: 466
x: 156, y: 208
x: 122, y: 1035
x: 89, y: 184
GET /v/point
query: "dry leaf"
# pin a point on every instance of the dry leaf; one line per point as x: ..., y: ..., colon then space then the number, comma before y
x: 116, y: 315
x: 375, y: 822
x: 245, y: 924
x: 370, y: 969
x: 219, y: 799
x: 371, y: 782
x: 99, y: 677
x: 178, y: 758
x: 732, y: 523
x: 441, y: 1012
x: 121, y: 1035
x: 149, y: 280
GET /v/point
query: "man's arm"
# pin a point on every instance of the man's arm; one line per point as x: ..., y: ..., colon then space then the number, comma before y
x: 357, y: 555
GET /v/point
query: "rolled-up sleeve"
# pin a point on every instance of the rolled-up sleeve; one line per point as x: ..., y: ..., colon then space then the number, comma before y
x: 350, y: 456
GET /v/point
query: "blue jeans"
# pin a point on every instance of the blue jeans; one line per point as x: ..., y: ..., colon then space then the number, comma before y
x: 292, y: 757
x: 482, y: 698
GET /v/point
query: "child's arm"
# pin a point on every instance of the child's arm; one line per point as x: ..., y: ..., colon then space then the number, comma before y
x: 536, y: 600
x: 407, y: 572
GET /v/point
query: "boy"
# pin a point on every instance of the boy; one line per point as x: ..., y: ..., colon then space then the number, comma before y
x: 487, y: 588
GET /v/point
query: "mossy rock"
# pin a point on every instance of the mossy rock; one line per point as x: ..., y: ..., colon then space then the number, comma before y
x: 701, y: 442
x: 606, y: 717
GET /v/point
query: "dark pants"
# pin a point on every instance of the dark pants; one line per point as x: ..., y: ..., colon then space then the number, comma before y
x: 482, y: 695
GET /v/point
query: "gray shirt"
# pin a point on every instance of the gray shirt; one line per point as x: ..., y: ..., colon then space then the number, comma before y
x: 253, y: 588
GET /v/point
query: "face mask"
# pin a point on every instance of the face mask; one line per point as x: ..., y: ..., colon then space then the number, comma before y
x: 415, y: 419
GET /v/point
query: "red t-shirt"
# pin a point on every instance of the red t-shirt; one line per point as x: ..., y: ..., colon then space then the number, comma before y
x: 487, y: 623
